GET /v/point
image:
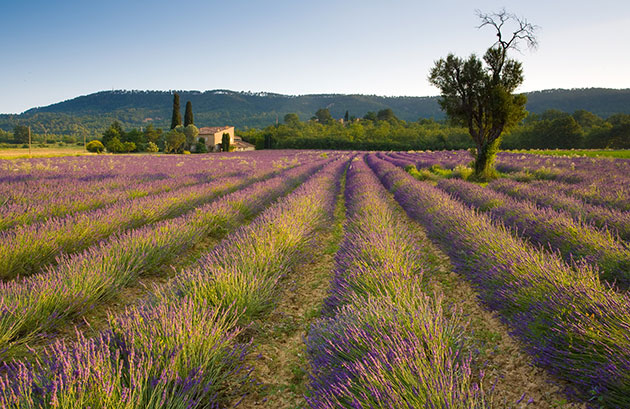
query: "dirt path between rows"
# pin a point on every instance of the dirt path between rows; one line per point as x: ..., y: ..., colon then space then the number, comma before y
x: 517, y: 382
x: 279, y: 363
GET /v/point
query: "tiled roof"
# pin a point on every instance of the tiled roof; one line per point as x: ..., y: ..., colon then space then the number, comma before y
x: 213, y: 129
x: 242, y: 144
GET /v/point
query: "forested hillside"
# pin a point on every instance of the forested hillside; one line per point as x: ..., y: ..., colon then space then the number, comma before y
x: 92, y: 114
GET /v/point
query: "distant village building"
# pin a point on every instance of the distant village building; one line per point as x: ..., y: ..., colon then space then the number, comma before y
x: 213, y: 137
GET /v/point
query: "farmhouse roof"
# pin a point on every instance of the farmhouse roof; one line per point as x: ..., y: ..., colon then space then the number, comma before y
x: 242, y: 144
x: 213, y: 129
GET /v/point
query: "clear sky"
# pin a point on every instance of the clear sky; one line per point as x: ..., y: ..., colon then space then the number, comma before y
x: 57, y: 50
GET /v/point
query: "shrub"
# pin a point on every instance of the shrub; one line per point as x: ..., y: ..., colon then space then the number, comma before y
x: 422, y: 174
x: 462, y: 172
x: 95, y: 146
x: 151, y: 147
x: 115, y: 146
x: 129, y: 147
x: 200, y: 147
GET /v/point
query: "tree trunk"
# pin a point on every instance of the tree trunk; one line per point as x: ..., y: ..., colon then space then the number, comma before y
x: 484, y: 161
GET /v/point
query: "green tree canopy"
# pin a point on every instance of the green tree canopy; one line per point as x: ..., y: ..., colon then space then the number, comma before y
x: 386, y: 115
x: 175, y: 141
x: 291, y: 119
x: 191, y: 132
x: 481, y: 96
x: 370, y: 116
x: 20, y: 133
x: 114, y: 131
x: 151, y: 134
x: 323, y: 116
x: 114, y: 145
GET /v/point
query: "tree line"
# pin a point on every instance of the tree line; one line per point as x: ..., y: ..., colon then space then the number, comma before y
x: 382, y: 130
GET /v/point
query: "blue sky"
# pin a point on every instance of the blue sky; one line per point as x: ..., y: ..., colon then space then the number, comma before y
x: 57, y: 50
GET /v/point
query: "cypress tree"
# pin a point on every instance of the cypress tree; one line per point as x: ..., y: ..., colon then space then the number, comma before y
x: 225, y: 142
x: 188, y: 116
x: 177, y: 116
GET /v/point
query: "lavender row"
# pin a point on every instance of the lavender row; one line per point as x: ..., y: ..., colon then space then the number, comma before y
x: 36, y: 199
x: 601, y: 181
x: 574, y: 239
x: 180, y: 348
x: 247, y: 275
x: 26, y: 249
x: 71, y: 197
x: 42, y: 302
x: 571, y: 324
x: 384, y: 342
x: 107, y: 167
x: 604, y: 203
x: 614, y: 195
x: 544, y: 195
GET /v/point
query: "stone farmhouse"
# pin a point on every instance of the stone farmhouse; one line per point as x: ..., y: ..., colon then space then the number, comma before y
x: 213, y: 135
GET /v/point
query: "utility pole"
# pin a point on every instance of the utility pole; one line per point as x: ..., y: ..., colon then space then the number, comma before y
x: 29, y: 142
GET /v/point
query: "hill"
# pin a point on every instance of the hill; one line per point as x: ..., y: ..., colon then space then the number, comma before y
x: 93, y: 113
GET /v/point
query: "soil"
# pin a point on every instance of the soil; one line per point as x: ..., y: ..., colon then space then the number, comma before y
x: 280, y: 366
x: 517, y: 382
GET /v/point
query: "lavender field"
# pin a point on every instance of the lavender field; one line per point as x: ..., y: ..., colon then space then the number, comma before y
x: 288, y: 279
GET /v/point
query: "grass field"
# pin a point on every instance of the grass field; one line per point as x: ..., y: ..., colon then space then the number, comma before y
x: 47, y: 152
x: 621, y: 154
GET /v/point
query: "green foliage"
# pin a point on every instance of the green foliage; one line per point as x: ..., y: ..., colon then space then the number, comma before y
x: 191, y: 132
x: 200, y: 147
x: 114, y: 131
x: 95, y: 146
x: 386, y: 115
x: 225, y: 142
x: 175, y: 141
x: 176, y: 118
x: 291, y: 119
x: 361, y: 134
x: 20, y: 134
x: 422, y: 174
x: 462, y: 172
x: 188, y: 115
x: 152, y: 135
x: 619, y: 135
x: 92, y: 114
x: 69, y: 139
x: 152, y: 147
x: 115, y: 145
x: 370, y: 116
x: 129, y: 147
x: 481, y: 97
x: 323, y: 116
x: 137, y: 138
